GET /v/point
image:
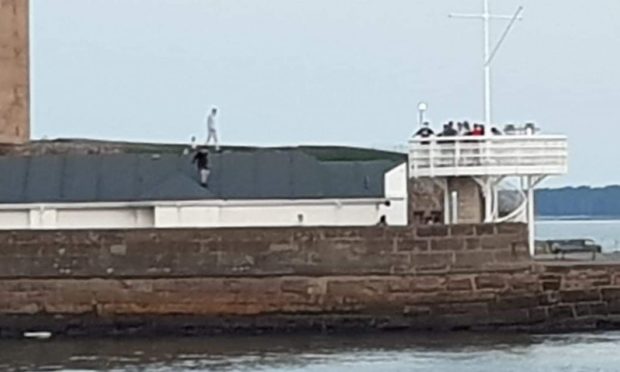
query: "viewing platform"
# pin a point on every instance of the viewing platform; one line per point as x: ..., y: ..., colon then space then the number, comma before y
x: 494, y: 155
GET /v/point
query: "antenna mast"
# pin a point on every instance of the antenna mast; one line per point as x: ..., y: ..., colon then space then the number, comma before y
x: 489, y: 54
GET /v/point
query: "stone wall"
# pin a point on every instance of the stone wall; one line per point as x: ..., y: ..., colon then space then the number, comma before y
x: 260, y: 252
x: 427, y: 205
x: 426, y: 201
x: 14, y: 72
x: 203, y: 281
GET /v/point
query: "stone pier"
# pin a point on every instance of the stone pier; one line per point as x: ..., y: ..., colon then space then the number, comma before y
x: 464, y: 277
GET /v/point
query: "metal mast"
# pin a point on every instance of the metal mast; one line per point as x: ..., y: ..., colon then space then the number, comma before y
x: 489, y: 54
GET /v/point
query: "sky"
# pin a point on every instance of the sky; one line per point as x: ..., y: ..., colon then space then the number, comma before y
x: 345, y: 72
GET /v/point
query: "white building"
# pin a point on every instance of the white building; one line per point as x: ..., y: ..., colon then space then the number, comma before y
x: 259, y: 188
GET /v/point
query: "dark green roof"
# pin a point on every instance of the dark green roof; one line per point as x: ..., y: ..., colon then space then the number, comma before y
x: 239, y: 174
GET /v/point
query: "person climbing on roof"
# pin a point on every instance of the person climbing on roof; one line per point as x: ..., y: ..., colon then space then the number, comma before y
x: 201, y: 159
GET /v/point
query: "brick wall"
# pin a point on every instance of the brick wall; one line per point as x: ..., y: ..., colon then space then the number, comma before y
x: 200, y: 281
x: 14, y: 72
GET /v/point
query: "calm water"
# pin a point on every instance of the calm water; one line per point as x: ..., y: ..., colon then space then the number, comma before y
x: 361, y: 353
x: 598, y: 352
x: 606, y: 233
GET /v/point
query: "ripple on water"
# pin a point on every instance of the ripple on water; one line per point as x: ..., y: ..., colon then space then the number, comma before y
x: 360, y: 353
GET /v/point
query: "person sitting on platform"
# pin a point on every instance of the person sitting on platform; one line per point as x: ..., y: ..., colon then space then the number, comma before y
x: 449, y: 131
x: 478, y: 130
x: 466, y: 129
x: 425, y: 131
x: 447, y: 147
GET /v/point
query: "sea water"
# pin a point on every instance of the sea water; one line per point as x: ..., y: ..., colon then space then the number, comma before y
x: 458, y: 352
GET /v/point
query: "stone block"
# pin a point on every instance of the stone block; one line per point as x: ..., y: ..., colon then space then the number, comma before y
x: 613, y: 306
x: 432, y: 231
x: 599, y: 308
x: 516, y: 301
x: 399, y: 285
x: 610, y: 294
x: 480, y: 309
x: 508, y: 316
x: 447, y: 244
x: 428, y: 283
x: 512, y: 228
x: 485, y: 229
x: 525, y: 283
x: 472, y: 244
x: 460, y: 284
x: 561, y: 312
x: 462, y: 230
x: 549, y: 298
x: 432, y: 261
x: 495, y: 242
x: 472, y: 260
x: 538, y: 314
x: 298, y: 286
x: 510, y: 256
x: 118, y: 249
x: 591, y: 309
x: 413, y: 245
x: 491, y: 281
x: 551, y: 283
x: 580, y: 296
x: 343, y: 288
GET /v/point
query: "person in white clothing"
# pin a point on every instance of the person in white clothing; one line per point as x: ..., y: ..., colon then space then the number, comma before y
x: 212, y: 130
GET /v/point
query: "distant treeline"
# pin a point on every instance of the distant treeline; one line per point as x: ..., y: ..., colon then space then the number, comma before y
x: 579, y: 202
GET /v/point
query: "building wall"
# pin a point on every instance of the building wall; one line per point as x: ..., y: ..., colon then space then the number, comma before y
x: 217, y: 213
x: 278, y: 213
x: 14, y: 72
x: 270, y: 213
x: 208, y: 280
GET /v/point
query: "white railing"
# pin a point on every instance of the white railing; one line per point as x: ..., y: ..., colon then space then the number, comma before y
x: 501, y: 155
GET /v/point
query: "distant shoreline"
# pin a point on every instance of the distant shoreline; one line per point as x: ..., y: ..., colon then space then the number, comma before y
x: 576, y: 218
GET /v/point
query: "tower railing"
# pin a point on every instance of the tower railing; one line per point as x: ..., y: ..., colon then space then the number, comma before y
x: 497, y: 155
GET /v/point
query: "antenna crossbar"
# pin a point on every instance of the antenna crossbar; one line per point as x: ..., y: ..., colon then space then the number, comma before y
x: 486, y: 16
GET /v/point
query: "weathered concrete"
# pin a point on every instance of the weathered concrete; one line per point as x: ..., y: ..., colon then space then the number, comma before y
x: 202, y: 281
x: 470, y: 201
x: 14, y: 72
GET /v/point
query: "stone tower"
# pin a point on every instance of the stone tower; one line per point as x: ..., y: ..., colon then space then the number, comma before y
x: 14, y: 72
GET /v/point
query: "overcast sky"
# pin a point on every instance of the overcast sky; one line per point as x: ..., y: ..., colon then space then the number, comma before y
x: 324, y: 71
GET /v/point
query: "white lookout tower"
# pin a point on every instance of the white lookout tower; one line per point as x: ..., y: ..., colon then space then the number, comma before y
x: 469, y: 174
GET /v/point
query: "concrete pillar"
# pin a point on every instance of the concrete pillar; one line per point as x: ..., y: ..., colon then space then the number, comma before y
x: 470, y: 203
x: 14, y: 72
